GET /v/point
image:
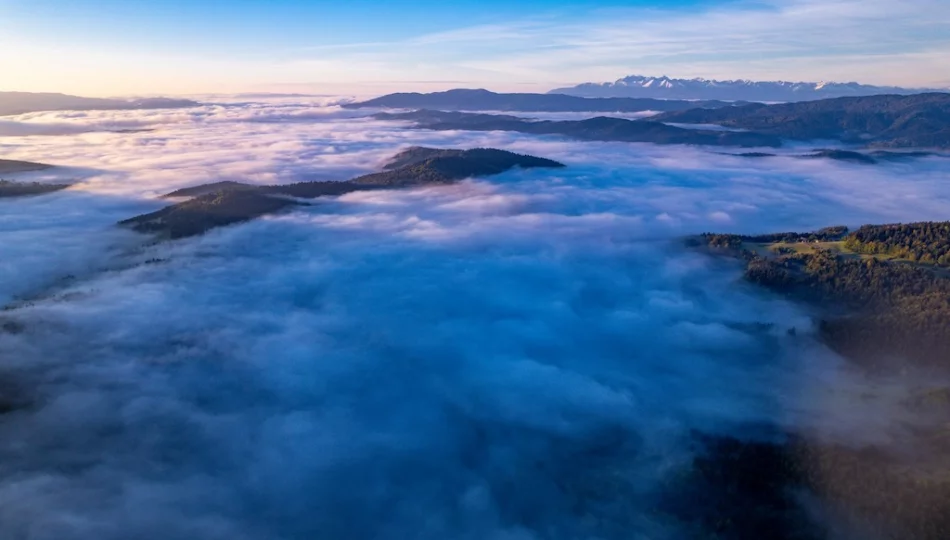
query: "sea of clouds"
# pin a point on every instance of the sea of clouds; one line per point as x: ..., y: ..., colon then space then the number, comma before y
x: 516, y: 357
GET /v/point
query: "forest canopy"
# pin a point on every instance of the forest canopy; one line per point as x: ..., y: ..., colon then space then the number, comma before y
x: 926, y: 242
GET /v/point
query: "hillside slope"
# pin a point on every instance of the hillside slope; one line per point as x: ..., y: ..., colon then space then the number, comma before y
x: 483, y: 100
x: 601, y: 128
x: 26, y: 102
x: 225, y: 203
x: 889, y: 121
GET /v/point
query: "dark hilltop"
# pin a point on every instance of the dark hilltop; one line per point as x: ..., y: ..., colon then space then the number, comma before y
x: 8, y: 166
x: 225, y: 203
x: 893, y: 122
x: 10, y: 188
x: 887, y: 121
x: 484, y: 100
x: 26, y: 102
x: 601, y: 128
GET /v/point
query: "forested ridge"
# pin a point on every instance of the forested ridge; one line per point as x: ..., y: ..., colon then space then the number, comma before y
x: 484, y: 100
x: 888, y: 316
x: 884, y: 307
x: 225, y: 203
x: 601, y: 128
x: 894, y: 310
x: 826, y: 234
x: 926, y: 242
x: 9, y: 188
x: 886, y: 121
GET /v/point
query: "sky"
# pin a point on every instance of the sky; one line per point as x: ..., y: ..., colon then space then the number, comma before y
x: 116, y: 47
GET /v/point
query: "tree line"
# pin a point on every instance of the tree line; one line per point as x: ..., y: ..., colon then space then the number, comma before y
x: 926, y: 242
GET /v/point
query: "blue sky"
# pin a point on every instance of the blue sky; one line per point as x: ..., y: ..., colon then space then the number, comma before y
x: 214, y: 25
x: 105, y: 47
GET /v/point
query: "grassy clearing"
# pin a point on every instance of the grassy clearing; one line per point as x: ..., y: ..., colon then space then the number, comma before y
x: 776, y: 249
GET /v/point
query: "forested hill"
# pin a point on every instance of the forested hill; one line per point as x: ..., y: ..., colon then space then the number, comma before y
x: 484, y: 100
x: 601, y: 128
x: 890, y: 277
x: 9, y: 188
x: 890, y: 317
x: 225, y: 203
x: 25, y: 102
x: 921, y: 121
x: 927, y: 243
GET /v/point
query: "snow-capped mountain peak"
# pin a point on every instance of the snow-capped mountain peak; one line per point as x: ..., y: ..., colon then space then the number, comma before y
x: 743, y: 89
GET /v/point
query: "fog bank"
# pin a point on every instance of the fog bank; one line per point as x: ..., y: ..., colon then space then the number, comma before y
x: 524, y: 356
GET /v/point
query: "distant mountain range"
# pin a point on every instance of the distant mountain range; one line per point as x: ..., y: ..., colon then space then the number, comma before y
x: 601, y: 128
x: 26, y: 102
x: 889, y: 121
x: 638, y: 86
x: 484, y: 100
x: 916, y: 121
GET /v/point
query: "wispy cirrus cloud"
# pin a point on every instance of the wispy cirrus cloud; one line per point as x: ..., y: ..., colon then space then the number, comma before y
x: 875, y: 41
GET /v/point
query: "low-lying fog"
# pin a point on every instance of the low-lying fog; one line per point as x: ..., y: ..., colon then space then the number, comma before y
x: 523, y: 356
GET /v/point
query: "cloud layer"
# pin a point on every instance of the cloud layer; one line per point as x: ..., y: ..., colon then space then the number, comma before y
x: 517, y: 357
